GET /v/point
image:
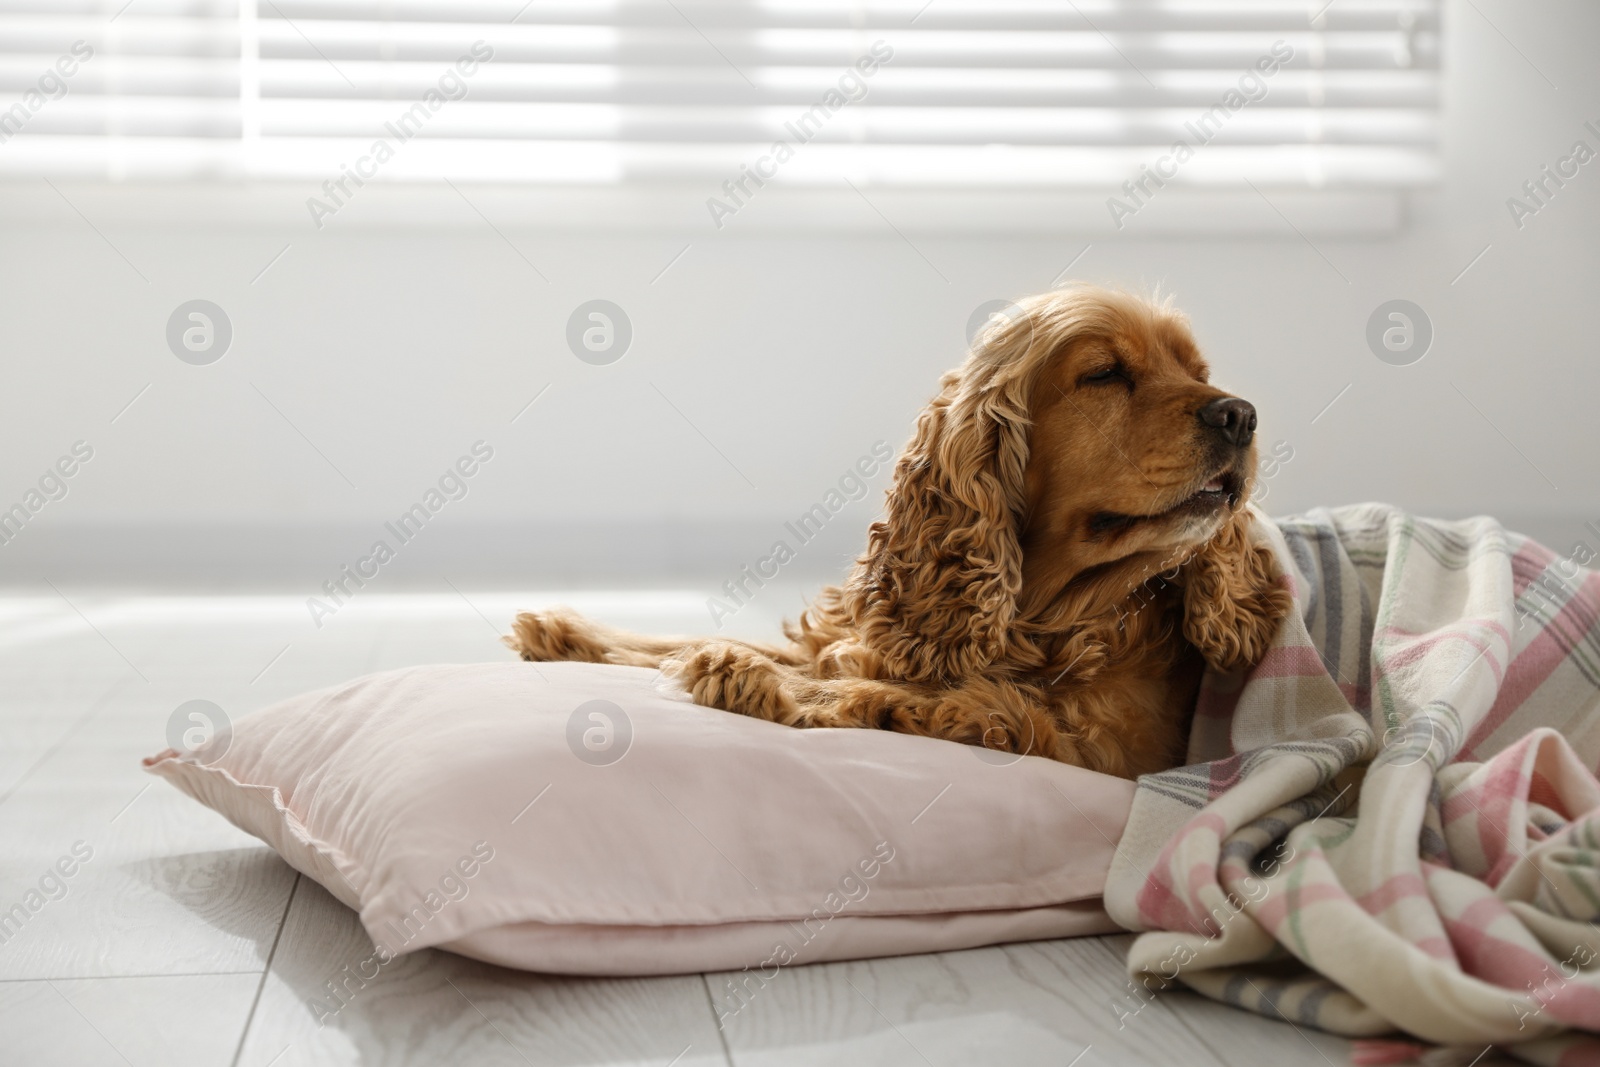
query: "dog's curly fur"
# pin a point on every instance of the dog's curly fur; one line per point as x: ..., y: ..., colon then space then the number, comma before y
x: 1065, y: 544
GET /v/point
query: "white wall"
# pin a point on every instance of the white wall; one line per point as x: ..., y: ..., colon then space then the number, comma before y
x: 394, y: 349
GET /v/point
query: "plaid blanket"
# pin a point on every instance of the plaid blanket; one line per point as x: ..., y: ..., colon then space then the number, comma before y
x: 1393, y: 821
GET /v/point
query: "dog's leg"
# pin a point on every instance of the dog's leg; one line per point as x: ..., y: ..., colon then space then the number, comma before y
x: 995, y: 715
x: 563, y: 634
x: 1126, y: 729
x: 1121, y: 731
x: 737, y: 678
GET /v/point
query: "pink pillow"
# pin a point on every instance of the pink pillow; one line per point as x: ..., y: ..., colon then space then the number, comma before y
x: 576, y: 818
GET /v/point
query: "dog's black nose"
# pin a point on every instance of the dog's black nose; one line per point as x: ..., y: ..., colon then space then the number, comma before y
x: 1233, y: 418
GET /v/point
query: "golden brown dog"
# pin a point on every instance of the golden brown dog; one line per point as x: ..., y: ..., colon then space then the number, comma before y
x: 1065, y: 545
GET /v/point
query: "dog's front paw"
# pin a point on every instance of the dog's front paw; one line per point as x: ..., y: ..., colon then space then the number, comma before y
x: 553, y: 636
x: 733, y: 678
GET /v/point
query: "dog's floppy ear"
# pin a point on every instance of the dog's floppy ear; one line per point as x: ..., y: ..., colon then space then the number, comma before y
x: 935, y: 593
x: 1234, y: 597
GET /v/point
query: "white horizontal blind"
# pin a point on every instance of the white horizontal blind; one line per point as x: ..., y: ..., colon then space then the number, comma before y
x: 1040, y: 93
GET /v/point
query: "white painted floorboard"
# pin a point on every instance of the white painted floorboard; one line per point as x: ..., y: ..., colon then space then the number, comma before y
x: 182, y: 940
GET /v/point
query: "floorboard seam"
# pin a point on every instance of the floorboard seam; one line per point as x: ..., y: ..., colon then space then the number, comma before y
x: 121, y: 977
x: 283, y: 921
x: 1216, y: 1053
x: 711, y: 1002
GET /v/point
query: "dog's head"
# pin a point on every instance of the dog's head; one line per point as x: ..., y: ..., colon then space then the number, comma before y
x: 1134, y: 458
x: 1080, y: 450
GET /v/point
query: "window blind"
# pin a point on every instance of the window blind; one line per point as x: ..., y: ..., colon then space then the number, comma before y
x: 947, y: 93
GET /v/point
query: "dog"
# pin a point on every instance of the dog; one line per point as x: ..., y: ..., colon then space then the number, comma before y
x: 1065, y: 546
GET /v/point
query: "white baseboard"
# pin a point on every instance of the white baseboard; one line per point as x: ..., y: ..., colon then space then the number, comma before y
x: 294, y: 557
x: 287, y: 557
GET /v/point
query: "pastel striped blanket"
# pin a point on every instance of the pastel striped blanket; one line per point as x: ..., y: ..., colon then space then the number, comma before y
x: 1393, y: 822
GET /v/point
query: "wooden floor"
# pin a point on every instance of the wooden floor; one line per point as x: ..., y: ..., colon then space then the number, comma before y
x: 182, y: 940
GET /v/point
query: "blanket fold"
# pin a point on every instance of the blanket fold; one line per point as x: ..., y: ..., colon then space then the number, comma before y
x: 1393, y: 821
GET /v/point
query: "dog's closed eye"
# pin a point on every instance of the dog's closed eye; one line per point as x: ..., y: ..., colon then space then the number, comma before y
x: 1105, y: 375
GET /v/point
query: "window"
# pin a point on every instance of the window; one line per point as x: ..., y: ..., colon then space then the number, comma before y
x: 949, y: 94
